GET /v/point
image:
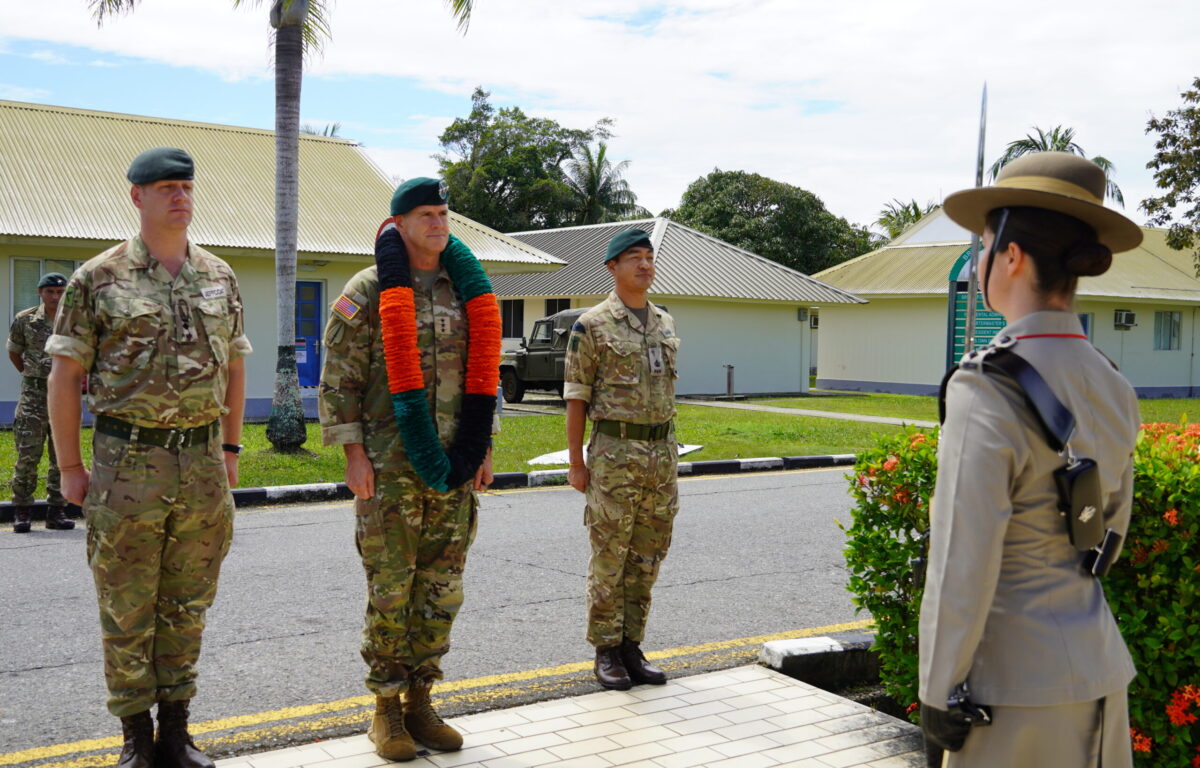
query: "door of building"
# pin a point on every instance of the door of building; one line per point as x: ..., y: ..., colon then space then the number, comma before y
x: 308, y: 332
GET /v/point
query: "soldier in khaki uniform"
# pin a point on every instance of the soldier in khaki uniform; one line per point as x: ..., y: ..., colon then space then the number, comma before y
x: 1008, y: 608
x: 27, y: 350
x: 156, y: 324
x: 413, y: 539
x: 620, y: 374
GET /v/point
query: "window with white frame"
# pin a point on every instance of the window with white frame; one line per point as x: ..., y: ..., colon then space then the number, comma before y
x: 554, y: 306
x: 1167, y: 327
x: 25, y: 276
x: 512, y: 318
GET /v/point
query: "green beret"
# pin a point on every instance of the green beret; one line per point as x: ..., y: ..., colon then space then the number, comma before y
x: 159, y: 164
x: 52, y: 280
x: 419, y: 191
x: 623, y: 241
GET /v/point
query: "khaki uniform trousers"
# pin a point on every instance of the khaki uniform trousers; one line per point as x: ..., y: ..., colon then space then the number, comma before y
x: 1064, y: 736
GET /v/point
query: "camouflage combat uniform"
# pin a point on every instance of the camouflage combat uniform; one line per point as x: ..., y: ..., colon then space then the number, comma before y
x: 31, y: 422
x: 626, y: 373
x: 413, y: 540
x: 156, y: 350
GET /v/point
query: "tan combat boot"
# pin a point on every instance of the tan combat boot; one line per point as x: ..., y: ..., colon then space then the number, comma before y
x: 387, y: 732
x: 424, y: 723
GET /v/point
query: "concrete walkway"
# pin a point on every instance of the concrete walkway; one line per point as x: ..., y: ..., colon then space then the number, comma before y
x: 803, y: 412
x: 745, y: 717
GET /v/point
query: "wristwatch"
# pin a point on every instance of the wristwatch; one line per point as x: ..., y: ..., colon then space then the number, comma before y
x: 231, y: 448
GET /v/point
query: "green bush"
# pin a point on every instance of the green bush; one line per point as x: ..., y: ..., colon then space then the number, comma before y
x: 1154, y: 589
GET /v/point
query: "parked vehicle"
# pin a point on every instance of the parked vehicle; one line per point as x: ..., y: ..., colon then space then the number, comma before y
x: 539, y: 363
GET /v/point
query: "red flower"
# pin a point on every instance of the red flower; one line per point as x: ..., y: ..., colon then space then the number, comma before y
x: 1172, y: 517
x: 1181, y: 701
x: 1159, y: 546
x: 1141, y: 742
x: 901, y: 496
x: 909, y: 709
x: 916, y: 440
x: 890, y: 464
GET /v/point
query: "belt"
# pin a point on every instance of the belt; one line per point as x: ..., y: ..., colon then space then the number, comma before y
x: 627, y: 431
x: 36, y: 382
x: 171, y: 439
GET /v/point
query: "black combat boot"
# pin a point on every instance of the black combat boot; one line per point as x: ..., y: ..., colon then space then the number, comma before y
x: 22, y: 519
x: 636, y: 665
x: 609, y: 669
x: 56, y: 519
x: 138, y: 751
x: 174, y: 747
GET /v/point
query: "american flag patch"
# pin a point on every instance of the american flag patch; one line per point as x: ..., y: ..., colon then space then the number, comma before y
x: 345, y: 307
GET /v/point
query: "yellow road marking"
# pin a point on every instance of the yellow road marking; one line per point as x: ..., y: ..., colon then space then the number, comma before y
x: 357, y: 702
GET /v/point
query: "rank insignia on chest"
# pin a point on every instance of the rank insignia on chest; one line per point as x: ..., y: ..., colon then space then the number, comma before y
x: 345, y: 307
x: 442, y: 323
x: 656, y: 361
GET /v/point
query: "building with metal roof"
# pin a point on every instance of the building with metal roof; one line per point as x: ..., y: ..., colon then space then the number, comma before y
x: 1144, y: 314
x: 64, y: 198
x: 731, y: 307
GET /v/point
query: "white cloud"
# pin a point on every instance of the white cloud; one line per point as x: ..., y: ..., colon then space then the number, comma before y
x: 699, y: 84
x: 21, y: 93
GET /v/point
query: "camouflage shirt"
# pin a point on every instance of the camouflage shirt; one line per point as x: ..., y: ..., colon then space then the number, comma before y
x: 355, y: 402
x: 27, y: 338
x: 624, y: 371
x: 155, y: 347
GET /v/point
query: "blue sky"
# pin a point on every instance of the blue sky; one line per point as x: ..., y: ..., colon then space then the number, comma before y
x: 860, y: 103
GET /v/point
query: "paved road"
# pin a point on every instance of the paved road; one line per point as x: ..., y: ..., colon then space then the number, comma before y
x: 753, y: 554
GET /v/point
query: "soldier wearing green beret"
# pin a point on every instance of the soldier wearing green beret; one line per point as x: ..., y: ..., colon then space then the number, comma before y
x: 156, y: 325
x: 27, y: 351
x: 412, y: 538
x: 620, y: 374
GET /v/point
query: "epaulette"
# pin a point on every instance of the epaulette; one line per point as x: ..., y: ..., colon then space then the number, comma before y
x: 1058, y: 423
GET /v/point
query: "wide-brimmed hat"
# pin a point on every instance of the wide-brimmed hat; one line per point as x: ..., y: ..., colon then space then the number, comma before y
x: 1056, y: 181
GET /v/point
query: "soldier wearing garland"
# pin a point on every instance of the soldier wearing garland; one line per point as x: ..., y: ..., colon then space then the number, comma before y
x: 620, y: 375
x: 414, y: 477
x: 156, y: 325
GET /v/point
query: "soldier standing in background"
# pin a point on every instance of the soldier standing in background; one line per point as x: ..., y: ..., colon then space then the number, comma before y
x: 156, y: 324
x: 412, y: 536
x: 620, y: 373
x: 27, y: 350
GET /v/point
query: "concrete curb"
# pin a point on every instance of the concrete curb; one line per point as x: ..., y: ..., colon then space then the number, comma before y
x: 829, y: 663
x: 287, y: 494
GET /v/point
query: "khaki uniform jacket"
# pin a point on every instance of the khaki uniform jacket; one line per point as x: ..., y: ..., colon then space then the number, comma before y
x: 156, y: 348
x: 611, y: 364
x: 1007, y: 607
x: 27, y: 337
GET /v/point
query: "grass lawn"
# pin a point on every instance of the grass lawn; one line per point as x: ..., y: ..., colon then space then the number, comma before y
x: 925, y: 408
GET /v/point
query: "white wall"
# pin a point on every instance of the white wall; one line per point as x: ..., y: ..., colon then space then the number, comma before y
x: 888, y: 341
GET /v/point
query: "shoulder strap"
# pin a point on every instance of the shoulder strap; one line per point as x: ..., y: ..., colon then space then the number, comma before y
x: 1058, y: 423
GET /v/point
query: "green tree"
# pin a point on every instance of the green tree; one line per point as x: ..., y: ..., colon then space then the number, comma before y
x: 598, y: 188
x: 331, y: 130
x: 301, y: 26
x: 898, y: 216
x: 1176, y: 167
x: 773, y: 219
x: 505, y: 168
x: 1057, y: 139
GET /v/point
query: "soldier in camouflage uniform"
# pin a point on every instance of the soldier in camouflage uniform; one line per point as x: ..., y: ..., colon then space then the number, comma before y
x: 413, y: 540
x: 620, y: 374
x: 27, y: 350
x: 156, y: 324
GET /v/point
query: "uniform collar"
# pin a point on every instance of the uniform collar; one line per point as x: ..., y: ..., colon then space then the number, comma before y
x: 621, y: 312
x: 40, y: 312
x: 1051, y: 321
x: 140, y: 258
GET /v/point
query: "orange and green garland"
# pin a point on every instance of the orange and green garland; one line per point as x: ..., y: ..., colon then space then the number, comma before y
x: 441, y: 469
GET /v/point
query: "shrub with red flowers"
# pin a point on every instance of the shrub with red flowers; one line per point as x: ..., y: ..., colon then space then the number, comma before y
x: 1154, y: 589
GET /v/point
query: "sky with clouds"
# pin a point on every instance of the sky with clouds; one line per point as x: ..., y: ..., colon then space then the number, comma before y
x: 858, y: 101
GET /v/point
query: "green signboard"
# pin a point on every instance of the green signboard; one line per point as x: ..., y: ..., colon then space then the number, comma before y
x: 987, y: 323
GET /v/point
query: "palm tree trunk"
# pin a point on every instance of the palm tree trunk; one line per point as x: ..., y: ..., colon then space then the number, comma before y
x: 285, y: 429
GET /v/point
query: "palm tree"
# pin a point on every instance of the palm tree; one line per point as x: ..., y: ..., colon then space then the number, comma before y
x: 330, y: 131
x: 898, y: 216
x: 300, y: 26
x: 599, y: 192
x: 1057, y: 139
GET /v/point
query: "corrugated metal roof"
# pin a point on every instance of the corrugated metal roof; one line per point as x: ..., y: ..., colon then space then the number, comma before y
x: 1152, y: 271
x: 62, y: 174
x: 688, y: 263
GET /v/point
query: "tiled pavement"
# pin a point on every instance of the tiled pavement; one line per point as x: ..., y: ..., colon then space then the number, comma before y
x: 747, y: 717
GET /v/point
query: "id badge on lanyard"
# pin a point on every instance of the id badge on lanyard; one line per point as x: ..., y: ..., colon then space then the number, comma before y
x: 656, y: 360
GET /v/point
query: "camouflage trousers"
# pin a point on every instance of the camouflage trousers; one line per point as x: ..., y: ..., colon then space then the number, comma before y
x: 31, y: 431
x: 632, y: 498
x: 159, y: 525
x: 413, y: 542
